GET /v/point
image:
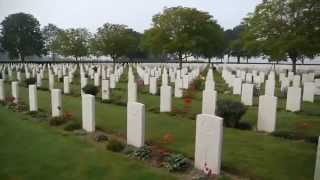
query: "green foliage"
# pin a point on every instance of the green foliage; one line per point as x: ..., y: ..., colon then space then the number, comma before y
x: 284, y: 28
x: 90, y: 89
x: 56, y: 121
x: 143, y: 153
x: 21, y: 36
x: 117, y: 41
x: 115, y: 145
x: 72, y: 42
x: 176, y: 163
x: 50, y: 33
x: 231, y: 112
x: 100, y: 137
x: 183, y: 32
x: 198, y: 84
x: 72, y: 126
x: 295, y: 136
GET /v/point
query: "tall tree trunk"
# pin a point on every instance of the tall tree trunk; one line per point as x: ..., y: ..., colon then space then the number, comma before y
x: 22, y: 57
x: 247, y: 58
x: 180, y: 60
x: 294, y: 64
x: 238, y: 59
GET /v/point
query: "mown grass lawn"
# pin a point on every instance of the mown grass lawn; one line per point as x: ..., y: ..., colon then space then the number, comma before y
x: 34, y: 151
x: 245, y: 153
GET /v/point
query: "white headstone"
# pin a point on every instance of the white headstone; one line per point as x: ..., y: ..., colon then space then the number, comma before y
x: 270, y: 86
x: 135, y: 124
x: 2, y: 94
x: 308, y: 91
x: 88, y: 112
x: 66, y: 85
x: 132, y: 91
x: 112, y: 81
x: 178, y: 92
x: 51, y: 81
x: 267, y: 113
x: 249, y: 78
x: 208, y: 145
x: 97, y: 79
x: 293, y: 99
x: 39, y: 80
x: 296, y: 81
x: 105, y: 89
x: 56, y: 105
x: 15, y: 91
x: 237, y: 86
x: 247, y: 94
x: 165, y: 98
x: 33, y: 99
x: 209, y: 99
x: 153, y: 85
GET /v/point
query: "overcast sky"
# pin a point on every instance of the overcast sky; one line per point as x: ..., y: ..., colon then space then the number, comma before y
x: 136, y: 14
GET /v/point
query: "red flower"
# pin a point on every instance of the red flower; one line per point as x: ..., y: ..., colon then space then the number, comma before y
x: 187, y: 101
x: 306, y: 126
x: 163, y: 152
x: 167, y: 138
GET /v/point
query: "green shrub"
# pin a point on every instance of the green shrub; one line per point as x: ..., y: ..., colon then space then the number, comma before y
x: 115, y: 145
x: 72, y: 126
x: 295, y: 136
x: 143, y: 153
x: 30, y: 81
x: 56, y: 121
x: 100, y: 137
x: 231, y: 112
x: 244, y: 126
x: 90, y: 89
x: 176, y: 163
x: 198, y: 84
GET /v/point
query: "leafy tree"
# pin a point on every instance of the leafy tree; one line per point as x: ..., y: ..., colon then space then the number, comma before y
x: 21, y: 36
x: 213, y: 44
x: 235, y: 43
x: 134, y: 50
x: 50, y: 33
x: 73, y: 42
x: 94, y: 47
x: 285, y: 29
x: 116, y: 41
x: 183, y: 32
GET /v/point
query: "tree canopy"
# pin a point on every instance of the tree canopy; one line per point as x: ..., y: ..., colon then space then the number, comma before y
x: 184, y: 32
x: 73, y: 42
x: 116, y: 41
x: 21, y: 36
x: 283, y: 29
x: 50, y: 33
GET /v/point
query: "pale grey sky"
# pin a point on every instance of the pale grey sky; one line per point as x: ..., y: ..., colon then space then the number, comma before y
x: 136, y: 14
